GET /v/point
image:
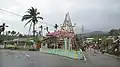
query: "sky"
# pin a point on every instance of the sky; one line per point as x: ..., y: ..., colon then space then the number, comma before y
x: 92, y: 14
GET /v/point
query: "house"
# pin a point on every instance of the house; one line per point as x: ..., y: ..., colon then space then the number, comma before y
x: 19, y: 43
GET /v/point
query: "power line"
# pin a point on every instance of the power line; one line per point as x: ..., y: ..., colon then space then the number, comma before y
x: 11, y: 12
x: 22, y: 16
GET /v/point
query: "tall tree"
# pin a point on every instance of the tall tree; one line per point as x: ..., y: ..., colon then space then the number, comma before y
x: 2, y: 28
x: 41, y: 29
x: 47, y: 30
x: 56, y: 26
x: 13, y: 32
x: 9, y: 32
x: 32, y: 17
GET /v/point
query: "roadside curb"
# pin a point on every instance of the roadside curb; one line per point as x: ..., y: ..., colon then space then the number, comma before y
x: 72, y: 55
x: 61, y: 56
x: 112, y: 56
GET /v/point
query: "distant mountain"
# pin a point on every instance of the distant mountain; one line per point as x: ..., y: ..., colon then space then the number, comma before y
x: 95, y: 33
x: 89, y: 32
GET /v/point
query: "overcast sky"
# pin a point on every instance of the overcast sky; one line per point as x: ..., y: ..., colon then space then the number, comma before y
x: 93, y: 14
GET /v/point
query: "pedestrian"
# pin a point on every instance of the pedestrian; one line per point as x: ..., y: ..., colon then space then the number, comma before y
x: 90, y: 48
x: 94, y: 49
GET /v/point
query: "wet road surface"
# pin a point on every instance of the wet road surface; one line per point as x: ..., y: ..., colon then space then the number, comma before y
x: 36, y: 59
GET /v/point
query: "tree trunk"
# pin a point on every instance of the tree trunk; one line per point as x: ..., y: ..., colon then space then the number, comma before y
x: 33, y: 29
x: 41, y: 32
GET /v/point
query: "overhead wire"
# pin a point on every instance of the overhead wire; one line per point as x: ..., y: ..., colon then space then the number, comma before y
x: 10, y: 12
x: 22, y: 16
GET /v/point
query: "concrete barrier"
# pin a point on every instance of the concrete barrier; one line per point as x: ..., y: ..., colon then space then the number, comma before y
x: 66, y: 53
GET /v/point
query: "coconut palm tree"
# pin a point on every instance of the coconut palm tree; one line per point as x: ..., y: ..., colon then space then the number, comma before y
x: 13, y: 32
x: 47, y: 30
x: 56, y: 26
x: 2, y: 28
x: 9, y: 32
x: 41, y: 27
x: 32, y: 17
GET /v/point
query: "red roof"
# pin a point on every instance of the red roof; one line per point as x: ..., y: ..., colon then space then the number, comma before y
x: 62, y: 33
x: 53, y: 33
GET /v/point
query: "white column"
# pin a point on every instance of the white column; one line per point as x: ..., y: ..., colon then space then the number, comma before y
x: 65, y: 43
x: 69, y: 42
x: 46, y: 45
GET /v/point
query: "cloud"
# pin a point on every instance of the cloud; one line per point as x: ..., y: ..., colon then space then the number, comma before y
x: 93, y: 14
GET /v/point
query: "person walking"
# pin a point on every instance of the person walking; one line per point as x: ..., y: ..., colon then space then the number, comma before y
x: 91, y: 48
x: 94, y: 49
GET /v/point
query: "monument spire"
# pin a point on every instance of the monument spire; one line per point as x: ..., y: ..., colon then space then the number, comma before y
x: 67, y: 24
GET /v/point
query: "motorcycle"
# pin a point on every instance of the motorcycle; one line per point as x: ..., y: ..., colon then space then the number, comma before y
x: 103, y: 51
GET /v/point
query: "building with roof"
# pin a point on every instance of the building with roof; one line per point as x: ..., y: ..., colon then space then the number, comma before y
x: 63, y: 38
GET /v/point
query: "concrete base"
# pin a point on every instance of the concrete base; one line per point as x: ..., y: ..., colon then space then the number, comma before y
x: 66, y: 53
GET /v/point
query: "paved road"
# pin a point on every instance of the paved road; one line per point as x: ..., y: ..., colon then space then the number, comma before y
x: 37, y: 59
x: 101, y: 60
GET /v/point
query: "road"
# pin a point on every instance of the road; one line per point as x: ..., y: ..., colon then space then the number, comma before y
x: 37, y: 59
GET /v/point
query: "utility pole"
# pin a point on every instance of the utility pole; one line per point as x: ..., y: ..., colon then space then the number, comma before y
x: 82, y: 34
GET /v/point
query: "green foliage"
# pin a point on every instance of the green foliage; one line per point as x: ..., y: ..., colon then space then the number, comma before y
x: 2, y: 28
x: 56, y: 26
x: 114, y: 32
x: 13, y: 32
x: 41, y: 27
x: 9, y: 31
x: 32, y: 17
x: 20, y: 35
x: 1, y: 41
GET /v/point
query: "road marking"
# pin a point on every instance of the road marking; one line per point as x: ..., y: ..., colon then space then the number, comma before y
x: 28, y: 56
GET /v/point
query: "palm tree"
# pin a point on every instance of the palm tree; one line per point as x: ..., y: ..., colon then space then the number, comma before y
x: 13, y: 32
x: 32, y: 17
x: 47, y: 30
x: 9, y: 33
x: 41, y: 27
x: 2, y: 28
x: 56, y: 26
